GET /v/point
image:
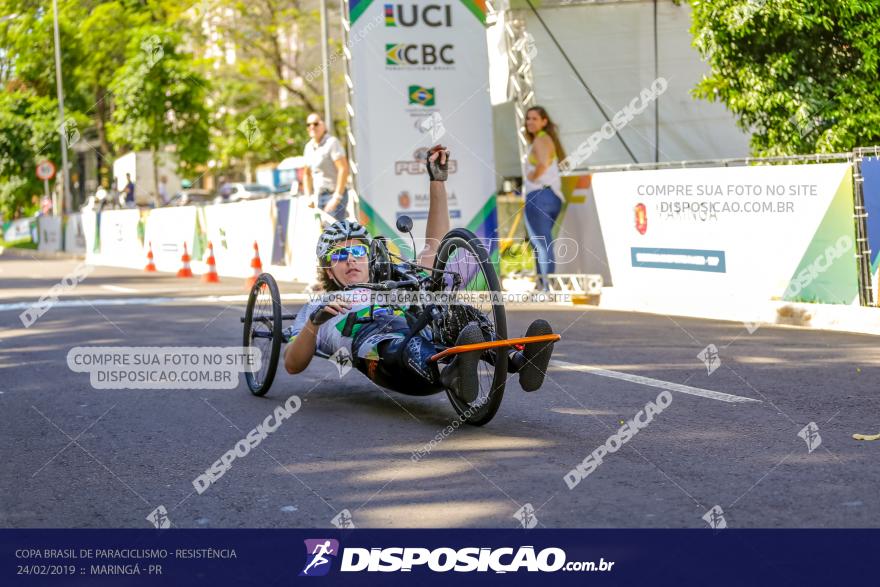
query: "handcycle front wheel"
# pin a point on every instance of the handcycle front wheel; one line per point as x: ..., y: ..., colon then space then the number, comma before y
x: 262, y: 329
x: 470, y: 273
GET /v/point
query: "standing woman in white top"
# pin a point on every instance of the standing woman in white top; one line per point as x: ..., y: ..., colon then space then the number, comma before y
x: 543, y: 189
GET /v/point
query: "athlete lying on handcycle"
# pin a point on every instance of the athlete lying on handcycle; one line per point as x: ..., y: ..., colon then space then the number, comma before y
x: 380, y: 340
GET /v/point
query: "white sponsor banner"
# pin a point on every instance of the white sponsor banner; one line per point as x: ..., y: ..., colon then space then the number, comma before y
x: 74, y: 236
x: 720, y: 235
x: 168, y: 229
x: 420, y: 74
x: 233, y: 229
x: 117, y: 234
x: 303, y: 231
x: 50, y: 233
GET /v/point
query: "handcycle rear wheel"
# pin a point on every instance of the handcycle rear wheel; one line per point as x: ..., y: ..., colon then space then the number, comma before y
x: 262, y: 329
x: 462, y: 253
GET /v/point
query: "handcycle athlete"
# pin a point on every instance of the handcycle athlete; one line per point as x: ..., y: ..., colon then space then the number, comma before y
x: 380, y: 339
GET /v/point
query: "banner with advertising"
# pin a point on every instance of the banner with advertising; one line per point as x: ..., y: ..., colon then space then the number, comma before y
x: 420, y: 75
x: 50, y: 233
x: 871, y: 190
x: 74, y: 236
x: 112, y: 238
x: 732, y: 235
x: 234, y: 228
x: 23, y: 230
x: 578, y: 244
x: 166, y: 231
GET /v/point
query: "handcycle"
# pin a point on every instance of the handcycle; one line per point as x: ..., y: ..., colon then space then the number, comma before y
x: 463, y: 276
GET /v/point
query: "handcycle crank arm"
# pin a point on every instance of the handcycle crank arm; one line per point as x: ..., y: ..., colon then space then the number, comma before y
x: 491, y: 344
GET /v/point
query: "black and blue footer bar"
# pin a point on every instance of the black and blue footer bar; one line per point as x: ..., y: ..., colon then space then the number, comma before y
x: 462, y: 557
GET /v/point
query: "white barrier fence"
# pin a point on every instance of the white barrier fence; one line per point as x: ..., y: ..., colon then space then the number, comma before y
x: 663, y: 239
x: 285, y: 230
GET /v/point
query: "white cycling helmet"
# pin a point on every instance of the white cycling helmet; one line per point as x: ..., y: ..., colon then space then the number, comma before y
x: 338, y: 232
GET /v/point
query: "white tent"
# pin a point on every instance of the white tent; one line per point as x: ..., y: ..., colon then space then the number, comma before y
x: 612, y: 47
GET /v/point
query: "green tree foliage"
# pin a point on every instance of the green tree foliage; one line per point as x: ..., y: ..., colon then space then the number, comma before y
x: 800, y: 75
x: 160, y: 99
x: 136, y: 77
x: 254, y: 130
x: 104, y: 33
x: 28, y: 134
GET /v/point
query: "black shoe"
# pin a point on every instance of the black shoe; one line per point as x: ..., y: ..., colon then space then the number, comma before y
x: 461, y: 374
x: 537, y: 357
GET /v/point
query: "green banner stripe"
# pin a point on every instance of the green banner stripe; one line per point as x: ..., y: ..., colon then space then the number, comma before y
x: 477, y: 8
x: 377, y: 226
x: 825, y: 273
x: 482, y: 214
x: 357, y: 8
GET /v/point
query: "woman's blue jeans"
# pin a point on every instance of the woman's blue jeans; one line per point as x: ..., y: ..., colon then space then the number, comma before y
x: 341, y: 211
x: 542, y: 210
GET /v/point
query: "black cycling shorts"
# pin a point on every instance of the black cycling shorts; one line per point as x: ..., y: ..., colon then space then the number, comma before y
x: 393, y: 366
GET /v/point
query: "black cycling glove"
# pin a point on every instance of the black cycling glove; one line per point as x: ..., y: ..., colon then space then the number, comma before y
x: 437, y: 171
x: 320, y: 315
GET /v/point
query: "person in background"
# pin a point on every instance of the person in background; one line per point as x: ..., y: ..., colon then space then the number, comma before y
x: 326, y: 173
x: 163, y: 191
x: 129, y: 191
x: 224, y: 189
x: 543, y: 188
x: 101, y: 196
x: 45, y: 206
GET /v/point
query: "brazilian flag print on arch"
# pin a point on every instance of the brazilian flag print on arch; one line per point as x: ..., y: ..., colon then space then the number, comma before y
x: 421, y: 95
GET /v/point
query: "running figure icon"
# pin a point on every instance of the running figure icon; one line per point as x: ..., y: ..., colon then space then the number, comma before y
x: 318, y: 552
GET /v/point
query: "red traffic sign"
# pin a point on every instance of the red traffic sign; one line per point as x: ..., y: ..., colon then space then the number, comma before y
x: 45, y: 170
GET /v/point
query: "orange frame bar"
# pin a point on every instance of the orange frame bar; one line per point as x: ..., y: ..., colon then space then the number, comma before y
x: 481, y: 346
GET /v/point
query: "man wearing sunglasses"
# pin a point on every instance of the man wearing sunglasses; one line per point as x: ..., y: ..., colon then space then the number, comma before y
x: 326, y: 173
x: 374, y: 336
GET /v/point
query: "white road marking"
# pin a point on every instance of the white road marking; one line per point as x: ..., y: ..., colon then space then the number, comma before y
x: 133, y: 301
x: 687, y: 389
x: 96, y: 302
x: 118, y: 288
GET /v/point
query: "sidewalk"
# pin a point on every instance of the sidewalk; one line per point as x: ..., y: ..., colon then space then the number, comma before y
x: 35, y: 254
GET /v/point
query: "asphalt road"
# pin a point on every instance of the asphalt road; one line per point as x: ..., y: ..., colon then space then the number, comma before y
x: 76, y: 456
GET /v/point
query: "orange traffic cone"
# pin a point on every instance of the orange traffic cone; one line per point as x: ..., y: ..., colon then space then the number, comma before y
x: 256, y: 265
x: 185, y: 271
x: 211, y: 276
x: 151, y: 266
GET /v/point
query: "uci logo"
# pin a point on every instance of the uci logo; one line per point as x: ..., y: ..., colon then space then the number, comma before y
x: 432, y: 15
x: 413, y: 54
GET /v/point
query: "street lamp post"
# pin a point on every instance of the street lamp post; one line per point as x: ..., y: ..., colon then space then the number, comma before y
x: 62, y: 127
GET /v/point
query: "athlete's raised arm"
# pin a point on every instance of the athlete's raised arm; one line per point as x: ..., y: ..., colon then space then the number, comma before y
x: 438, y: 208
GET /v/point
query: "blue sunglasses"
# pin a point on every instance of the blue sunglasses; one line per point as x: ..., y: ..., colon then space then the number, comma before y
x: 342, y: 253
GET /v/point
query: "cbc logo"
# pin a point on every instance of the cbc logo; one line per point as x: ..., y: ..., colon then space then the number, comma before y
x: 402, y: 54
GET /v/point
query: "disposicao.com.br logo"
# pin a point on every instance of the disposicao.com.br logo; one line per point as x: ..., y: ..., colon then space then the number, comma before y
x: 441, y: 560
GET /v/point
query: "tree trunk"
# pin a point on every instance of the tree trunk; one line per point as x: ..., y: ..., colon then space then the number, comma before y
x: 102, y: 114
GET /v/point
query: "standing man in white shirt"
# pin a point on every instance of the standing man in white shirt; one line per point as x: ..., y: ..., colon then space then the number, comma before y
x: 326, y: 172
